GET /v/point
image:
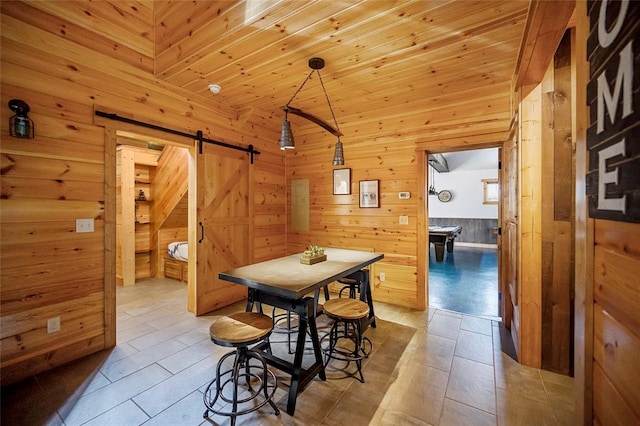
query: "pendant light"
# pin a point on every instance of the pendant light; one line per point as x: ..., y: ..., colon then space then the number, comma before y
x: 286, y: 137
x: 432, y: 182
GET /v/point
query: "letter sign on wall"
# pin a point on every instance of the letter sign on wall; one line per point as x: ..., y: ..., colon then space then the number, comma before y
x: 613, y: 96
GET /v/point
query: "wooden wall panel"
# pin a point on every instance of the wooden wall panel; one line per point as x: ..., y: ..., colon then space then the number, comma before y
x: 611, y: 294
x: 401, y: 288
x: 65, y: 63
x: 170, y: 183
x: 615, y: 278
x: 530, y: 230
x: 388, y: 152
x: 80, y: 318
x: 609, y: 407
x: 127, y: 23
x: 557, y: 213
x: 616, y: 352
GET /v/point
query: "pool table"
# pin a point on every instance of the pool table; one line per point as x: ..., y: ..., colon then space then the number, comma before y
x: 441, y: 235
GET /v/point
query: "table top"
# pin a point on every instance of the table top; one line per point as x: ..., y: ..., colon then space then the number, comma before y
x: 449, y: 229
x: 287, y: 277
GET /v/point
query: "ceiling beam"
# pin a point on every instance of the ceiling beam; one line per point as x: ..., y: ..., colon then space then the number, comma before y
x: 546, y: 24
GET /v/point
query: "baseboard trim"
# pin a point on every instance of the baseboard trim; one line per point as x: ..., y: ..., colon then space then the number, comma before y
x: 481, y: 245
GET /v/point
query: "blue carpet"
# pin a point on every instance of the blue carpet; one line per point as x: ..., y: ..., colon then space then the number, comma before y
x: 465, y: 281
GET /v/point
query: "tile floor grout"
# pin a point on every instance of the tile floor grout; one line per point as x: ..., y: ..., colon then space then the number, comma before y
x: 425, y: 384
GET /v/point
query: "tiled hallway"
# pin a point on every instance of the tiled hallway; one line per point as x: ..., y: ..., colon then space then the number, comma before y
x: 428, y: 368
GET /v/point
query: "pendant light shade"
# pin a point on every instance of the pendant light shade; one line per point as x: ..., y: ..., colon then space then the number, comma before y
x: 338, y: 155
x: 286, y: 137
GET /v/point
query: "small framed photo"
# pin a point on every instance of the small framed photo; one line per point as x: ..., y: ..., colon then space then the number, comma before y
x: 369, y: 193
x: 342, y: 182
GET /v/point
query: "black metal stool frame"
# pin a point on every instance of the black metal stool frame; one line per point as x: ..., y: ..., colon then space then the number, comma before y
x: 306, y: 309
x: 360, y: 342
x: 243, y: 355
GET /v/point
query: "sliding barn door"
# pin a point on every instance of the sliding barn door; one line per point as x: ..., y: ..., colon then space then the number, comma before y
x: 225, y: 224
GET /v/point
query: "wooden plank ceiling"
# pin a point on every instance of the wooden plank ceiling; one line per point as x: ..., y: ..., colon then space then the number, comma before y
x: 411, y: 63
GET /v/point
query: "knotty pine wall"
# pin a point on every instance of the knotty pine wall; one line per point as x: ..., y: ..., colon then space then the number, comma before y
x: 607, y: 343
x: 546, y: 217
x: 558, y: 214
x: 612, y: 279
x: 63, y: 61
x: 392, y: 152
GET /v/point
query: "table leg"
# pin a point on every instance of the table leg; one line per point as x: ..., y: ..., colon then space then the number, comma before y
x: 439, y: 247
x: 366, y: 295
x: 297, y: 365
x: 450, y: 245
x: 305, y: 320
x: 315, y: 340
x: 305, y: 309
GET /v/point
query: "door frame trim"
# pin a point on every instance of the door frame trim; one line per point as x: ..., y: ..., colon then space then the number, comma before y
x: 422, y: 290
x: 110, y: 144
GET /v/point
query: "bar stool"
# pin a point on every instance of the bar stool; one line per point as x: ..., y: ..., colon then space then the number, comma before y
x: 240, y: 330
x: 350, y: 284
x: 353, y: 283
x: 346, y: 340
x: 283, y: 323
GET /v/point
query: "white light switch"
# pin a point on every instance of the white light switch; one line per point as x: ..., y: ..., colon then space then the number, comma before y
x: 403, y: 220
x: 84, y: 225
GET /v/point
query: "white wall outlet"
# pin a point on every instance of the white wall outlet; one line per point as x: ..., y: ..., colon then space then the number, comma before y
x: 404, y: 195
x: 403, y: 220
x: 53, y: 325
x: 84, y: 225
x: 383, y: 276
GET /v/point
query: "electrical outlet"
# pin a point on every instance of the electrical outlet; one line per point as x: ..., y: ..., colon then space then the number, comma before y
x: 382, y: 276
x: 403, y: 220
x: 53, y: 325
x: 84, y: 225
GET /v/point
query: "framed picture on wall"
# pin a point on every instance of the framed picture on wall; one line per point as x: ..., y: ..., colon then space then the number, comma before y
x: 369, y: 193
x: 342, y: 182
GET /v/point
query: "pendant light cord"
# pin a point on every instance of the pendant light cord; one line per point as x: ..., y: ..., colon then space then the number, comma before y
x: 325, y: 95
x: 329, y: 102
x: 301, y: 86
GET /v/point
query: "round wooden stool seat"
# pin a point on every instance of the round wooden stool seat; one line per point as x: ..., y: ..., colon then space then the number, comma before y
x: 347, y: 309
x: 240, y: 329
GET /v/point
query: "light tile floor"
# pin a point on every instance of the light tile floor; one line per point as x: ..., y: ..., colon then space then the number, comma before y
x: 428, y: 368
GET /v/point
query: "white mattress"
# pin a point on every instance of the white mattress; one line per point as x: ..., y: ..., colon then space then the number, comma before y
x: 178, y: 250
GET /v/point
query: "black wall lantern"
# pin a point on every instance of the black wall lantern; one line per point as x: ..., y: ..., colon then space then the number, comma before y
x: 20, y: 125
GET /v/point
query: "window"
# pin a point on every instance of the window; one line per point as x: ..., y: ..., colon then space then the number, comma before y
x: 491, y: 193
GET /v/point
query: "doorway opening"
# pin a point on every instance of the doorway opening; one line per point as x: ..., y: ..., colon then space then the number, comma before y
x: 463, y: 207
x: 152, y: 182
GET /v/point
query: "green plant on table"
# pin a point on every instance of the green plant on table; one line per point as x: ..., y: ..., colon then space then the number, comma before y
x: 313, y: 251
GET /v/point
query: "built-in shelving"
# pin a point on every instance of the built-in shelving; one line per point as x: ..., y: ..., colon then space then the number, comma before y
x: 135, y: 170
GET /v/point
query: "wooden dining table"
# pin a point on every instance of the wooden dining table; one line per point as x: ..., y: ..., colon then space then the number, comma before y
x: 288, y: 284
